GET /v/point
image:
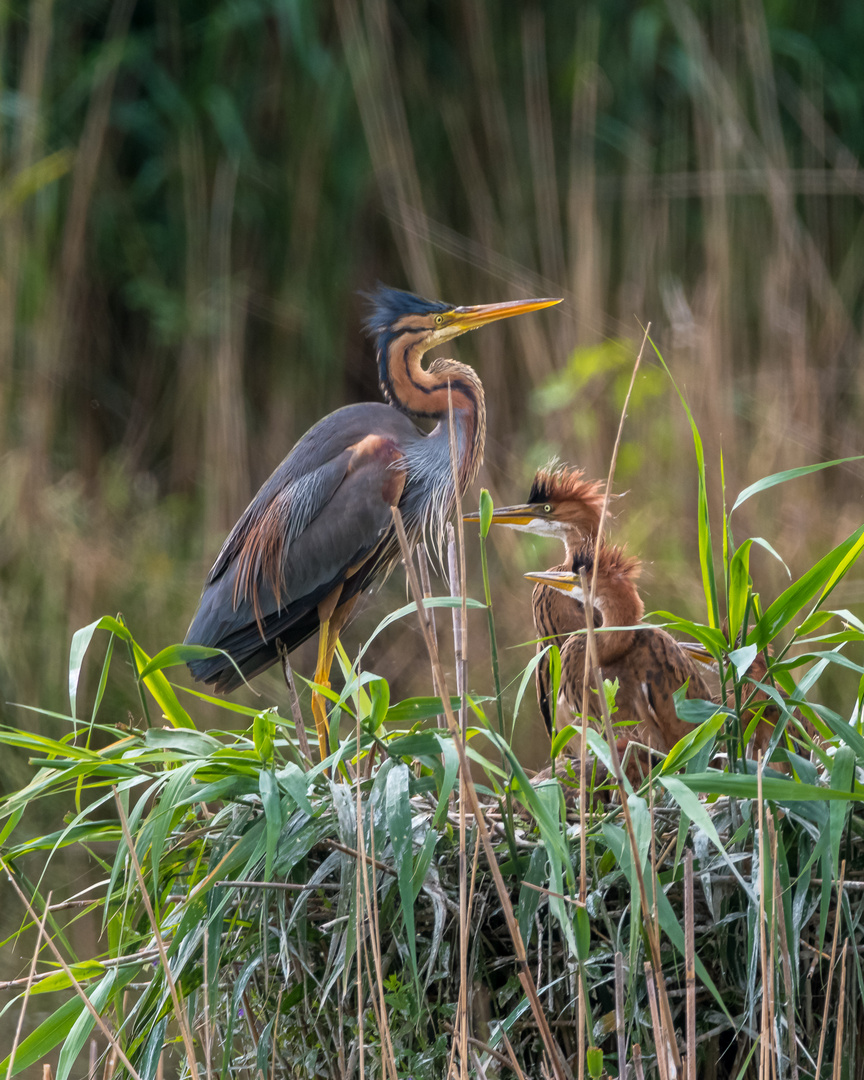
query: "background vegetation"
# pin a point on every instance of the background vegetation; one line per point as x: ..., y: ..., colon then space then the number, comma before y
x: 191, y: 196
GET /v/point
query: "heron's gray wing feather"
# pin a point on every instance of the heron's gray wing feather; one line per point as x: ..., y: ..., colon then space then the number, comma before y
x: 313, y: 469
x: 345, y: 518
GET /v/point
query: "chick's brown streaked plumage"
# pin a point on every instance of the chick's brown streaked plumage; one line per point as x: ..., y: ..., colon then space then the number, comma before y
x: 561, y: 505
x: 647, y: 662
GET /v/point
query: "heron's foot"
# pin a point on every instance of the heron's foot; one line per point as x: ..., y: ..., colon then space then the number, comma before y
x: 319, y: 711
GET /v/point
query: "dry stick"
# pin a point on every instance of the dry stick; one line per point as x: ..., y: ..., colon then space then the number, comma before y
x: 360, y: 868
x: 690, y: 964
x: 512, y: 1055
x: 659, y: 1034
x: 284, y: 886
x: 182, y: 1020
x: 637, y: 1061
x: 299, y: 726
x: 460, y: 643
x: 838, y: 1040
x: 375, y: 943
x: 500, y: 887
x: 763, y: 959
x: 619, y: 1015
x: 583, y: 737
x: 831, y: 969
x: 423, y: 567
x: 650, y: 926
x: 459, y: 653
x: 33, y: 962
x: 772, y: 970
x: 207, y: 1040
x: 79, y: 990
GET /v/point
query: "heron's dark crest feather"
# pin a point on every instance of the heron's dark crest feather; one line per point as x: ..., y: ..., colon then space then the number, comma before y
x: 387, y: 306
x: 613, y: 561
x: 558, y: 483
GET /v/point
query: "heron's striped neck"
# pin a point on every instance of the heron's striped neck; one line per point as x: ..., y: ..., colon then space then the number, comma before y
x: 426, y: 393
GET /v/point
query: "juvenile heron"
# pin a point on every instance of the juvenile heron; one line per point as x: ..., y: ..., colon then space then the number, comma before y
x: 320, y: 530
x: 565, y: 506
x: 648, y: 663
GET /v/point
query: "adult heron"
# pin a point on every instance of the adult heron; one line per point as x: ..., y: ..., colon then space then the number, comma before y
x: 320, y: 530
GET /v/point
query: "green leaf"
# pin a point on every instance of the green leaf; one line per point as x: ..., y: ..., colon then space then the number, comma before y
x: 486, y: 509
x: 84, y: 1024
x: 688, y: 747
x: 47, y: 1035
x: 263, y: 730
x: 824, y: 575
x: 842, y: 778
x: 269, y: 791
x: 412, y: 710
x: 402, y: 841
x: 775, y: 788
x: 379, y: 691
x: 175, y: 655
x: 787, y: 474
x: 293, y: 780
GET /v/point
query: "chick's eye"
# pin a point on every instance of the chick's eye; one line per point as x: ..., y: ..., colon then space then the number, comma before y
x: 547, y: 508
x: 439, y: 319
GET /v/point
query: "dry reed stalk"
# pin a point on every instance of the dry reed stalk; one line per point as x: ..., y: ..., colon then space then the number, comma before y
x: 426, y: 581
x: 207, y: 1040
x: 52, y: 357
x: 460, y: 647
x: 837, y: 920
x: 660, y: 1039
x: 370, y: 56
x: 273, y: 1035
x: 512, y: 1055
x: 637, y: 1061
x: 360, y: 868
x: 650, y: 926
x: 838, y: 1038
x: 18, y: 1027
x: 620, y: 1023
x: 79, y: 989
x: 179, y: 1012
x: 299, y: 726
x: 506, y: 906
x: 690, y: 964
x: 374, y: 935
x: 764, y: 1029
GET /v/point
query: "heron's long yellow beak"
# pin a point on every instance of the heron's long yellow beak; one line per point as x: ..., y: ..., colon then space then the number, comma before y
x: 565, y: 580
x: 462, y: 319
x: 521, y: 514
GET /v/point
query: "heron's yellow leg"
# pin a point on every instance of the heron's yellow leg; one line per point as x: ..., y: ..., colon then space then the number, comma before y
x: 322, y: 677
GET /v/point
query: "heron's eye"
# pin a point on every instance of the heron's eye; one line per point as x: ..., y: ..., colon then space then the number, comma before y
x: 547, y: 508
x: 439, y: 319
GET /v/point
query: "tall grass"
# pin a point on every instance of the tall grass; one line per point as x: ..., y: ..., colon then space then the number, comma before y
x: 260, y: 910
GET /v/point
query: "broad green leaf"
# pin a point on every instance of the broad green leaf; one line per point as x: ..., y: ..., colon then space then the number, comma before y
x: 486, y: 509
x: 293, y: 780
x: 269, y: 791
x: 82, y: 1027
x: 402, y: 841
x: 47, y: 1035
x: 741, y: 659
x: 175, y: 655
x: 197, y: 743
x: 781, y: 478
x: 842, y: 778
x: 379, y: 692
x: 692, y: 743
x: 529, y: 899
x: 774, y: 788
x: 823, y: 576
x: 412, y: 710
